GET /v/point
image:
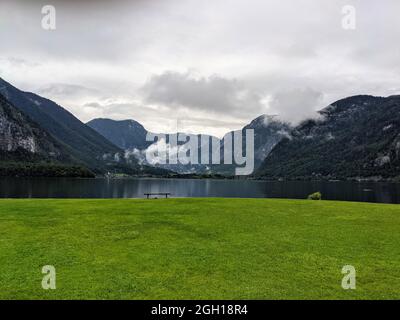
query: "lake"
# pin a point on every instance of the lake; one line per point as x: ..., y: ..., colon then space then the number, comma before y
x: 135, y: 188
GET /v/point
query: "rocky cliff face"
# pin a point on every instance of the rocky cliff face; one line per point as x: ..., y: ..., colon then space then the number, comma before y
x: 13, y: 136
x: 18, y: 133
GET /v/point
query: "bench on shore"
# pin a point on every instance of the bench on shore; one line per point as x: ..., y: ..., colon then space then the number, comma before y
x: 166, y: 194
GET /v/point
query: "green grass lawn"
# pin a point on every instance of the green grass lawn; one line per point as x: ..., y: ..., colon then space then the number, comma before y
x: 198, y: 249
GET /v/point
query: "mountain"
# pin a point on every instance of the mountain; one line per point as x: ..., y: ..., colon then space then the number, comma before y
x: 356, y: 137
x: 268, y: 131
x: 82, y: 142
x: 19, y: 134
x: 25, y: 147
x: 131, y: 135
x: 126, y: 134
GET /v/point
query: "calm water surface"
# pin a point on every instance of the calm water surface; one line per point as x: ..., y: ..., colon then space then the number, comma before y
x: 135, y: 188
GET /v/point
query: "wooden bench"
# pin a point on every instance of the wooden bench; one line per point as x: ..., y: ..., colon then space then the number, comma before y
x: 166, y: 194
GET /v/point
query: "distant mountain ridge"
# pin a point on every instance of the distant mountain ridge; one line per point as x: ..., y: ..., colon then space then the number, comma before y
x: 131, y: 135
x: 126, y: 134
x: 356, y: 137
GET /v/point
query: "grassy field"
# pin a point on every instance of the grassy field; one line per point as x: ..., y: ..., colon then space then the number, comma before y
x: 198, y: 249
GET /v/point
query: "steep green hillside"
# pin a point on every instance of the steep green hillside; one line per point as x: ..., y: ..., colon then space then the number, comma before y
x: 354, y: 137
x: 28, y: 150
x: 82, y: 142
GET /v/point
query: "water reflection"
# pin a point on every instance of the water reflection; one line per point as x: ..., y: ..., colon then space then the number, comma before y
x: 135, y: 188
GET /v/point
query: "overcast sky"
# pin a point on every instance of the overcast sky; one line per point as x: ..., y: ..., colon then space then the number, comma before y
x: 200, y: 66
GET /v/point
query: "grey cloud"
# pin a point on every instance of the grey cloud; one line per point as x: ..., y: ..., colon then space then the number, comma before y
x: 213, y: 94
x: 272, y: 48
x: 62, y: 90
x: 114, y: 110
x: 297, y: 104
x: 20, y: 62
